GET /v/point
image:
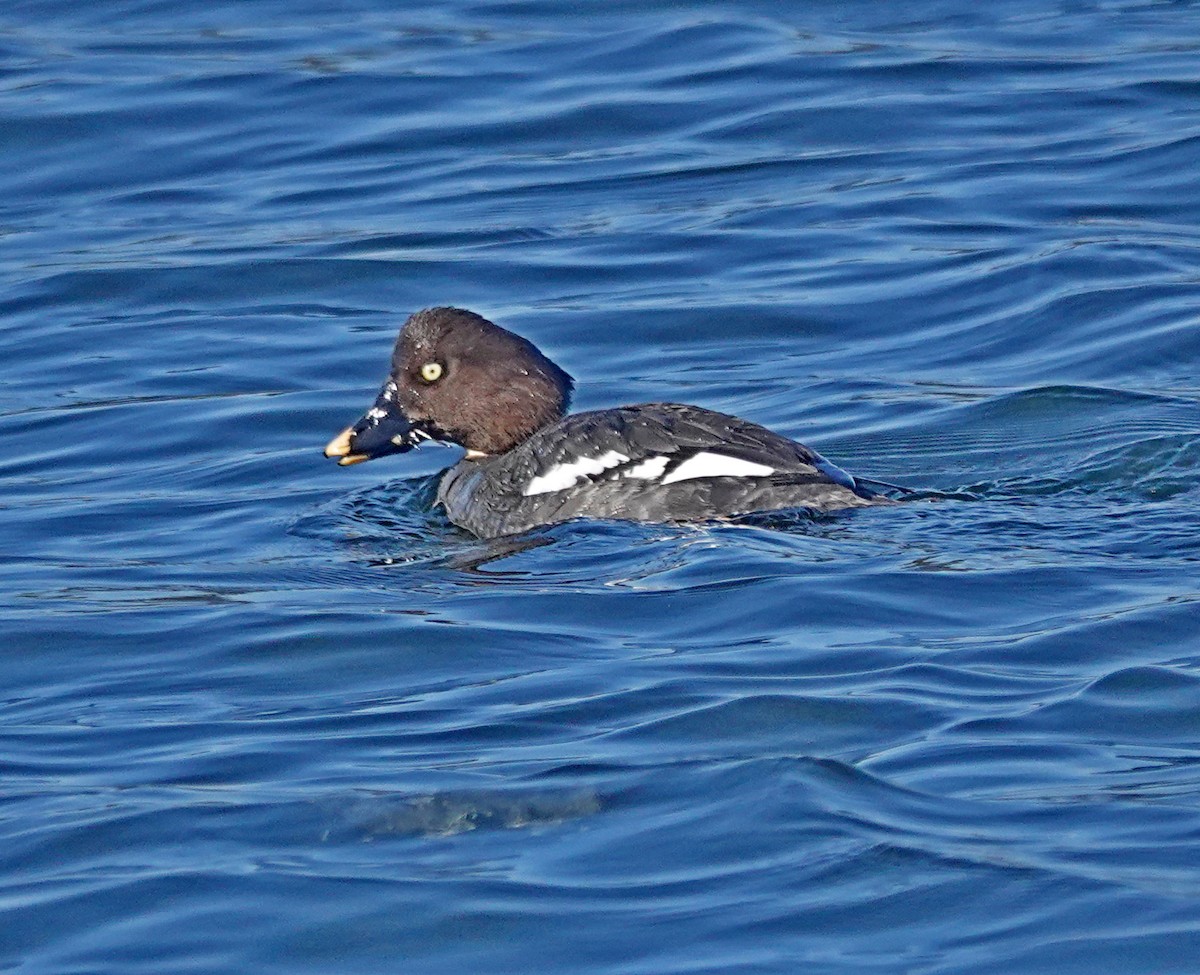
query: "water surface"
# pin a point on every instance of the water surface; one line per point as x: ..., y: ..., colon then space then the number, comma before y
x: 264, y: 714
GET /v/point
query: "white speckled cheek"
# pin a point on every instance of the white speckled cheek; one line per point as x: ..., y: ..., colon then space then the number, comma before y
x: 716, y: 465
x: 562, y: 476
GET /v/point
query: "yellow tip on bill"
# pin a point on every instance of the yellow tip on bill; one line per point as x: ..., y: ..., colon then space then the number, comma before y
x: 339, y: 446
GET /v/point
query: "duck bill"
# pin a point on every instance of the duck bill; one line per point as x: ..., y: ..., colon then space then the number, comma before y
x: 383, y: 429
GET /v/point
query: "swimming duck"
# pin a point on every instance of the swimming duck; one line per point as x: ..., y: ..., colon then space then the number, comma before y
x: 458, y: 378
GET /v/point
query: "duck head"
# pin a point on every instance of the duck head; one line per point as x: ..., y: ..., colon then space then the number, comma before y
x: 458, y: 378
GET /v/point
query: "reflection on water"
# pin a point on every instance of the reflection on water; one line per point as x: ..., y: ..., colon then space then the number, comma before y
x: 447, y: 814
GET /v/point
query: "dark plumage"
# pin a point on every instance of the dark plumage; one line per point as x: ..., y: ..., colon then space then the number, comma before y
x: 459, y: 378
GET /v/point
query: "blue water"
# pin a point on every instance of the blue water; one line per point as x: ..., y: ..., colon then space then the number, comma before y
x: 262, y: 714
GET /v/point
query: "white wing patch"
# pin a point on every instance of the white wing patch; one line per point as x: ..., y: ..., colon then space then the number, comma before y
x: 562, y: 476
x: 649, y: 469
x: 705, y: 464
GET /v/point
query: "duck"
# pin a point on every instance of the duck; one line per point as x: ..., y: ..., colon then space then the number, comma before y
x: 458, y: 378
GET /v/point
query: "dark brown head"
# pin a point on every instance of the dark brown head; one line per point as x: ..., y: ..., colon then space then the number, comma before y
x: 459, y: 378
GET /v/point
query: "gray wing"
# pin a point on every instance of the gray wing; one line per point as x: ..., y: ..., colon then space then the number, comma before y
x: 654, y: 462
x: 680, y: 433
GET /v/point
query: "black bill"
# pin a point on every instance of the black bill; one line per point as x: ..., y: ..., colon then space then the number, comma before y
x: 382, y: 430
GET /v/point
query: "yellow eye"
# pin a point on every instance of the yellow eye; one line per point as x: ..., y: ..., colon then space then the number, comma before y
x: 431, y: 372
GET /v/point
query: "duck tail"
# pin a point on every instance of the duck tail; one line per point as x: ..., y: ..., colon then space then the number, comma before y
x: 873, y: 482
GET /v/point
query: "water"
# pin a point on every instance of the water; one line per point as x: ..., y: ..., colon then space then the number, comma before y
x: 261, y: 714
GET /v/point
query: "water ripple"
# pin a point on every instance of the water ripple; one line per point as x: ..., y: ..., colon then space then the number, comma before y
x: 950, y: 246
